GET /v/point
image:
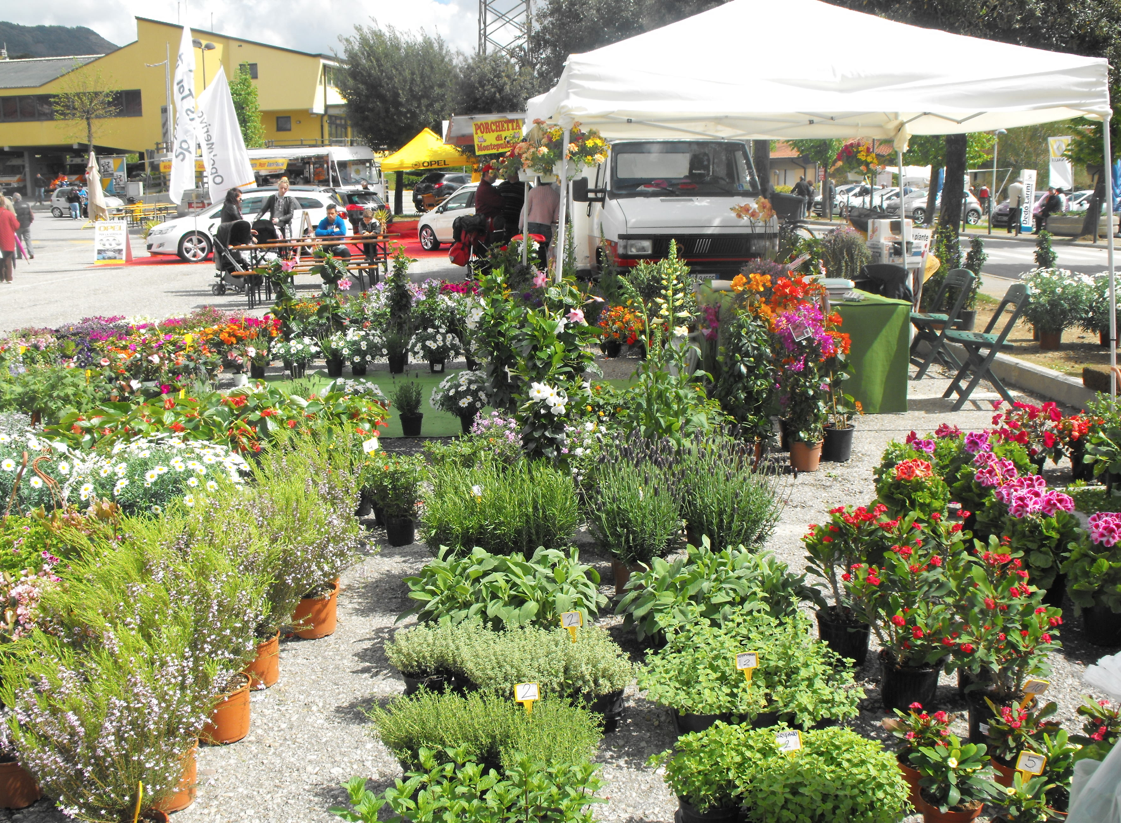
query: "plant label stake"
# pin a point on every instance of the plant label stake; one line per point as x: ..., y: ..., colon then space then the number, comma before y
x: 789, y: 742
x: 527, y: 694
x: 571, y: 621
x: 747, y: 662
x: 1032, y: 689
x: 1029, y: 764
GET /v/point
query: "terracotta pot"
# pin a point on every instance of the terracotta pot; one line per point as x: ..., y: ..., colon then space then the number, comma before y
x: 1005, y: 775
x: 318, y: 614
x: 804, y: 457
x: 184, y: 794
x: 914, y: 790
x: 930, y: 814
x: 18, y: 788
x: 265, y: 668
x: 622, y: 573
x: 229, y: 722
x: 155, y: 816
x: 1050, y: 340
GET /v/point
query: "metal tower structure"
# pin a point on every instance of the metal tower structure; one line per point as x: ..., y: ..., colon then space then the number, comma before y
x: 504, y: 26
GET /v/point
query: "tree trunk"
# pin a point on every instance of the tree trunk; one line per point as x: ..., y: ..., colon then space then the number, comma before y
x: 932, y: 194
x: 761, y: 152
x: 954, y: 187
x: 1092, y: 220
x: 398, y: 192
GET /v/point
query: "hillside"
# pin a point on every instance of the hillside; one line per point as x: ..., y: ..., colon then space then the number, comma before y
x: 51, y: 41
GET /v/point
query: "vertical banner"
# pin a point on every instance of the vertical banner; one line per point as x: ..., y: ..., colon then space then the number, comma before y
x: 1062, y: 177
x: 114, y: 174
x: 186, y: 120
x: 223, y: 148
x: 1027, y: 177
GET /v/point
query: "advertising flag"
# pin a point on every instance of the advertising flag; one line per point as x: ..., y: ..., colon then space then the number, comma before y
x: 1062, y: 176
x: 223, y: 148
x: 186, y: 121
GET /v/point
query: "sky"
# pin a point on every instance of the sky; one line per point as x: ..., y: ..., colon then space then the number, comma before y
x: 311, y: 26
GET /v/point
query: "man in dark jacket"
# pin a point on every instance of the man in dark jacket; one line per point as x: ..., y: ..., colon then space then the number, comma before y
x: 488, y: 202
x: 513, y: 196
x: 25, y: 218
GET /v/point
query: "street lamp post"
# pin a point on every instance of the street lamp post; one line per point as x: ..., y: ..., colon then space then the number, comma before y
x: 204, y: 48
x: 166, y: 63
x: 992, y: 193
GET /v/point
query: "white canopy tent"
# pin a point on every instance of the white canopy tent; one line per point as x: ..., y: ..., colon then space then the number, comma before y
x: 699, y: 77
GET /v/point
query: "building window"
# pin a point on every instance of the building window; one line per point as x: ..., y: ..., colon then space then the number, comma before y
x: 253, y: 70
x: 336, y: 127
x: 284, y: 122
x: 41, y: 106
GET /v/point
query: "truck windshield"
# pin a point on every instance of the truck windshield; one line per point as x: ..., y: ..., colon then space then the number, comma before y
x: 686, y: 168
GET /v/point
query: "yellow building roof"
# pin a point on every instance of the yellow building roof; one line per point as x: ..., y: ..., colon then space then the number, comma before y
x: 425, y: 151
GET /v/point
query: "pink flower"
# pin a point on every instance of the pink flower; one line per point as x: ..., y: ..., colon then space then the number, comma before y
x: 344, y: 284
x: 287, y: 265
x: 539, y: 280
x: 576, y: 316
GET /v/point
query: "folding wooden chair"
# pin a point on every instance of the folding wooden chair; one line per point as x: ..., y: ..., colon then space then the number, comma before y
x: 975, y: 343
x: 925, y: 331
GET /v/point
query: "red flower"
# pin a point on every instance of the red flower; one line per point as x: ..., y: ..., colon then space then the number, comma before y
x: 899, y: 620
x: 967, y: 648
x: 1046, y: 638
x: 936, y: 561
x: 990, y: 603
x: 917, y: 633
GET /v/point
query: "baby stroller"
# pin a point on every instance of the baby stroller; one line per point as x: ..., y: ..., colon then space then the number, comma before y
x: 469, y: 242
x: 228, y: 261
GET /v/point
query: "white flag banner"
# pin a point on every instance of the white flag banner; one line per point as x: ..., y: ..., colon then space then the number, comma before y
x: 186, y: 121
x: 98, y: 209
x: 1062, y: 175
x: 223, y: 148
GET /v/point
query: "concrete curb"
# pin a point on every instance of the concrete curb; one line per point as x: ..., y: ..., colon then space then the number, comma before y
x: 1039, y: 381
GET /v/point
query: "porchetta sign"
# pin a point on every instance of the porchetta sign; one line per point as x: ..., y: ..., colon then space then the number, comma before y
x: 496, y: 136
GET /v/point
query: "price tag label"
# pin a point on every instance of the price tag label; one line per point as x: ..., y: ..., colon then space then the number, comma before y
x: 747, y: 662
x: 571, y: 621
x: 527, y: 694
x: 1030, y: 763
x: 1032, y: 689
x: 789, y: 741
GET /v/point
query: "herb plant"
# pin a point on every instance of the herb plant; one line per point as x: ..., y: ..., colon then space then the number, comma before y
x: 406, y: 397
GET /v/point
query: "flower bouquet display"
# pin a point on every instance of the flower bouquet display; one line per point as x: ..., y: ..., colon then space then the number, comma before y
x: 296, y: 353
x: 363, y: 347
x: 463, y: 394
x: 435, y: 345
x: 1094, y: 578
x: 541, y: 151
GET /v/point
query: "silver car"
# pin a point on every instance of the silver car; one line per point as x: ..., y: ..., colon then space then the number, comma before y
x: 60, y: 208
x: 916, y: 206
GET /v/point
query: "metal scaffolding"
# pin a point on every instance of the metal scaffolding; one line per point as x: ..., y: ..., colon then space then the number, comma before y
x: 504, y: 26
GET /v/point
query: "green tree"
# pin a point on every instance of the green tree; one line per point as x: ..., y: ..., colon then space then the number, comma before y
x: 244, y: 93
x: 396, y: 84
x: 494, y: 83
x: 84, y: 98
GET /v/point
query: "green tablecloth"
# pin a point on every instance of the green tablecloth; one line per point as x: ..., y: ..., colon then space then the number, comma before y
x: 881, y: 337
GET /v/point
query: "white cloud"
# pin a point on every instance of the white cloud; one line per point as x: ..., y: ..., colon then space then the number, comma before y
x: 313, y: 28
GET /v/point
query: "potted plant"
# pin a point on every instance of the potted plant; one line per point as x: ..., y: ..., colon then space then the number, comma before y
x: 956, y: 780
x: 401, y: 485
x: 696, y: 771
x: 1024, y: 800
x: 1101, y: 729
x: 839, y: 428
x: 1011, y: 729
x: 434, y: 345
x: 913, y: 729
x: 463, y: 394
x: 744, y: 376
x: 1094, y: 579
x: 399, y: 303
x: 296, y: 353
x: 406, y: 397
x: 619, y: 325
x: 913, y: 486
x: 259, y: 359
x: 1058, y: 301
x: 364, y: 346
x: 334, y: 349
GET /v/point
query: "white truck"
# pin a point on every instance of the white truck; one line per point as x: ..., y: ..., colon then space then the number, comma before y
x: 651, y: 191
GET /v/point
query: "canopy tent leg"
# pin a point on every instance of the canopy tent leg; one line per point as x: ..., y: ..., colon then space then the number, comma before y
x: 525, y: 223
x: 562, y: 234
x: 1107, y: 170
x: 915, y: 286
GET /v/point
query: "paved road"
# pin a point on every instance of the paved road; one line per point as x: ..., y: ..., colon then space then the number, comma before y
x: 1011, y: 257
x: 62, y: 285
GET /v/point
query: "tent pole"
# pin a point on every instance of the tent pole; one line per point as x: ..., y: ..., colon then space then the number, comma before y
x: 915, y: 286
x: 561, y: 233
x: 1107, y: 170
x: 525, y: 223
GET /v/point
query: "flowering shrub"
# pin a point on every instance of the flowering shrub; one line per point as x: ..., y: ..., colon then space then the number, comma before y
x: 20, y: 594
x: 36, y: 467
x: 463, y: 394
x: 1036, y: 428
x: 1094, y: 567
x: 434, y: 345
x: 1059, y: 298
x: 542, y: 421
x: 918, y: 728
x: 1033, y: 520
x: 852, y: 535
x: 1013, y: 729
x: 912, y: 486
x: 298, y: 350
x: 622, y: 324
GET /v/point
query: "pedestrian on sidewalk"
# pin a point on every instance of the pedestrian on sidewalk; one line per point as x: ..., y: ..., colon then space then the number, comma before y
x: 40, y: 189
x: 25, y: 218
x: 1015, y: 204
x: 8, y: 226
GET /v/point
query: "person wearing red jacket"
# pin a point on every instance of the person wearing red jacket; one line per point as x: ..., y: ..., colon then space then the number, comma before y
x: 9, y: 224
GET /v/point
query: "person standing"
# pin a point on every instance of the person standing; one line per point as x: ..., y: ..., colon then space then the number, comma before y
x: 541, y: 209
x: 74, y: 200
x: 9, y: 225
x: 1015, y: 205
x: 40, y: 189
x: 25, y: 218
x: 280, y: 207
x: 803, y: 189
x: 513, y: 197
x: 488, y: 202
x: 983, y: 199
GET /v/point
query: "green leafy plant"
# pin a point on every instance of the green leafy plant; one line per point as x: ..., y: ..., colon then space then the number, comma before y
x: 703, y: 584
x: 955, y: 776
x: 1094, y: 567
x: 505, y: 591
x: 49, y: 392
x: 633, y: 511
x: 397, y: 485
x: 1058, y: 298
x: 696, y: 769
x: 744, y: 374
x: 1045, y: 256
x: 1013, y: 729
x: 913, y: 486
x: 504, y: 509
x: 1101, y: 728
x: 406, y: 397
x: 463, y: 394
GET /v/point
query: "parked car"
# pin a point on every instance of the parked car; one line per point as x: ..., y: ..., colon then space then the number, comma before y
x: 60, y: 208
x: 357, y: 200
x: 435, y: 227
x: 838, y: 193
x: 916, y: 206
x: 440, y: 183
x: 192, y: 237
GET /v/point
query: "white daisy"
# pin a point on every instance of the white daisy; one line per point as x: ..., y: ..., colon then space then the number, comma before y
x: 36, y: 482
x: 192, y: 482
x: 8, y: 465
x: 189, y: 500
x: 86, y: 491
x: 151, y: 476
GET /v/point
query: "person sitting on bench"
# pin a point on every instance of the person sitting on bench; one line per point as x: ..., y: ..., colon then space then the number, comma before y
x: 333, y: 226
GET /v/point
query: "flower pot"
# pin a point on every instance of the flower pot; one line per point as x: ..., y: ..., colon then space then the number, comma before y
x: 335, y: 366
x: 400, y: 531
x: 764, y: 720
x: 318, y: 614
x: 685, y: 723
x: 466, y: 421
x: 837, y: 446
x: 365, y: 506
x: 1101, y: 625
x: 256, y: 372
x: 1080, y: 470
x: 1054, y: 594
x: 1005, y: 773
x: 1050, y: 340
x: 1103, y: 338
x: 437, y: 683
x: 622, y: 573
x: 783, y: 435
x: 612, y: 348
x: 397, y: 362
x: 155, y: 816
x: 229, y: 722
x: 804, y: 457
x: 358, y: 369
x: 184, y: 793
x: 437, y: 366
x: 903, y: 685
x: 687, y: 813
x: 847, y: 638
x: 914, y: 789
x: 410, y: 424
x: 930, y: 814
x: 265, y: 668
x: 472, y: 363
x: 298, y: 370
x: 379, y: 515
x: 611, y: 707
x: 979, y: 716
x: 18, y: 788
x: 967, y: 320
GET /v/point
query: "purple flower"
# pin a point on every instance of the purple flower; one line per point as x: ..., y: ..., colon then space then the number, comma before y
x: 977, y: 442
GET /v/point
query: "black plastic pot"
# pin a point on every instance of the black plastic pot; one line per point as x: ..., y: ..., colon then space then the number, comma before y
x: 400, y: 531
x: 466, y: 421
x: 256, y: 372
x: 967, y: 320
x: 902, y: 685
x: 436, y: 366
x: 612, y: 348
x: 1101, y: 625
x: 410, y: 424
x: 298, y: 370
x: 979, y: 716
x: 1078, y: 469
x: 611, y: 706
x: 837, y: 447
x: 847, y: 638
x: 365, y: 506
x: 379, y: 515
x: 358, y: 369
x: 433, y: 682
x: 687, y: 813
x: 397, y: 362
x: 765, y: 720
x: 335, y: 366
x: 685, y: 723
x: 1054, y: 594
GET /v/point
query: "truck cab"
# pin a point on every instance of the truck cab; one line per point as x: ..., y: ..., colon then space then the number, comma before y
x: 649, y: 192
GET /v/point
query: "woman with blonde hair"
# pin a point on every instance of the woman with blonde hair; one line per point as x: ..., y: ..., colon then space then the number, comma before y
x: 280, y: 207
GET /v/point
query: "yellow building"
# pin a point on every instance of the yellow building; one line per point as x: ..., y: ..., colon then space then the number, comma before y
x: 298, y: 99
